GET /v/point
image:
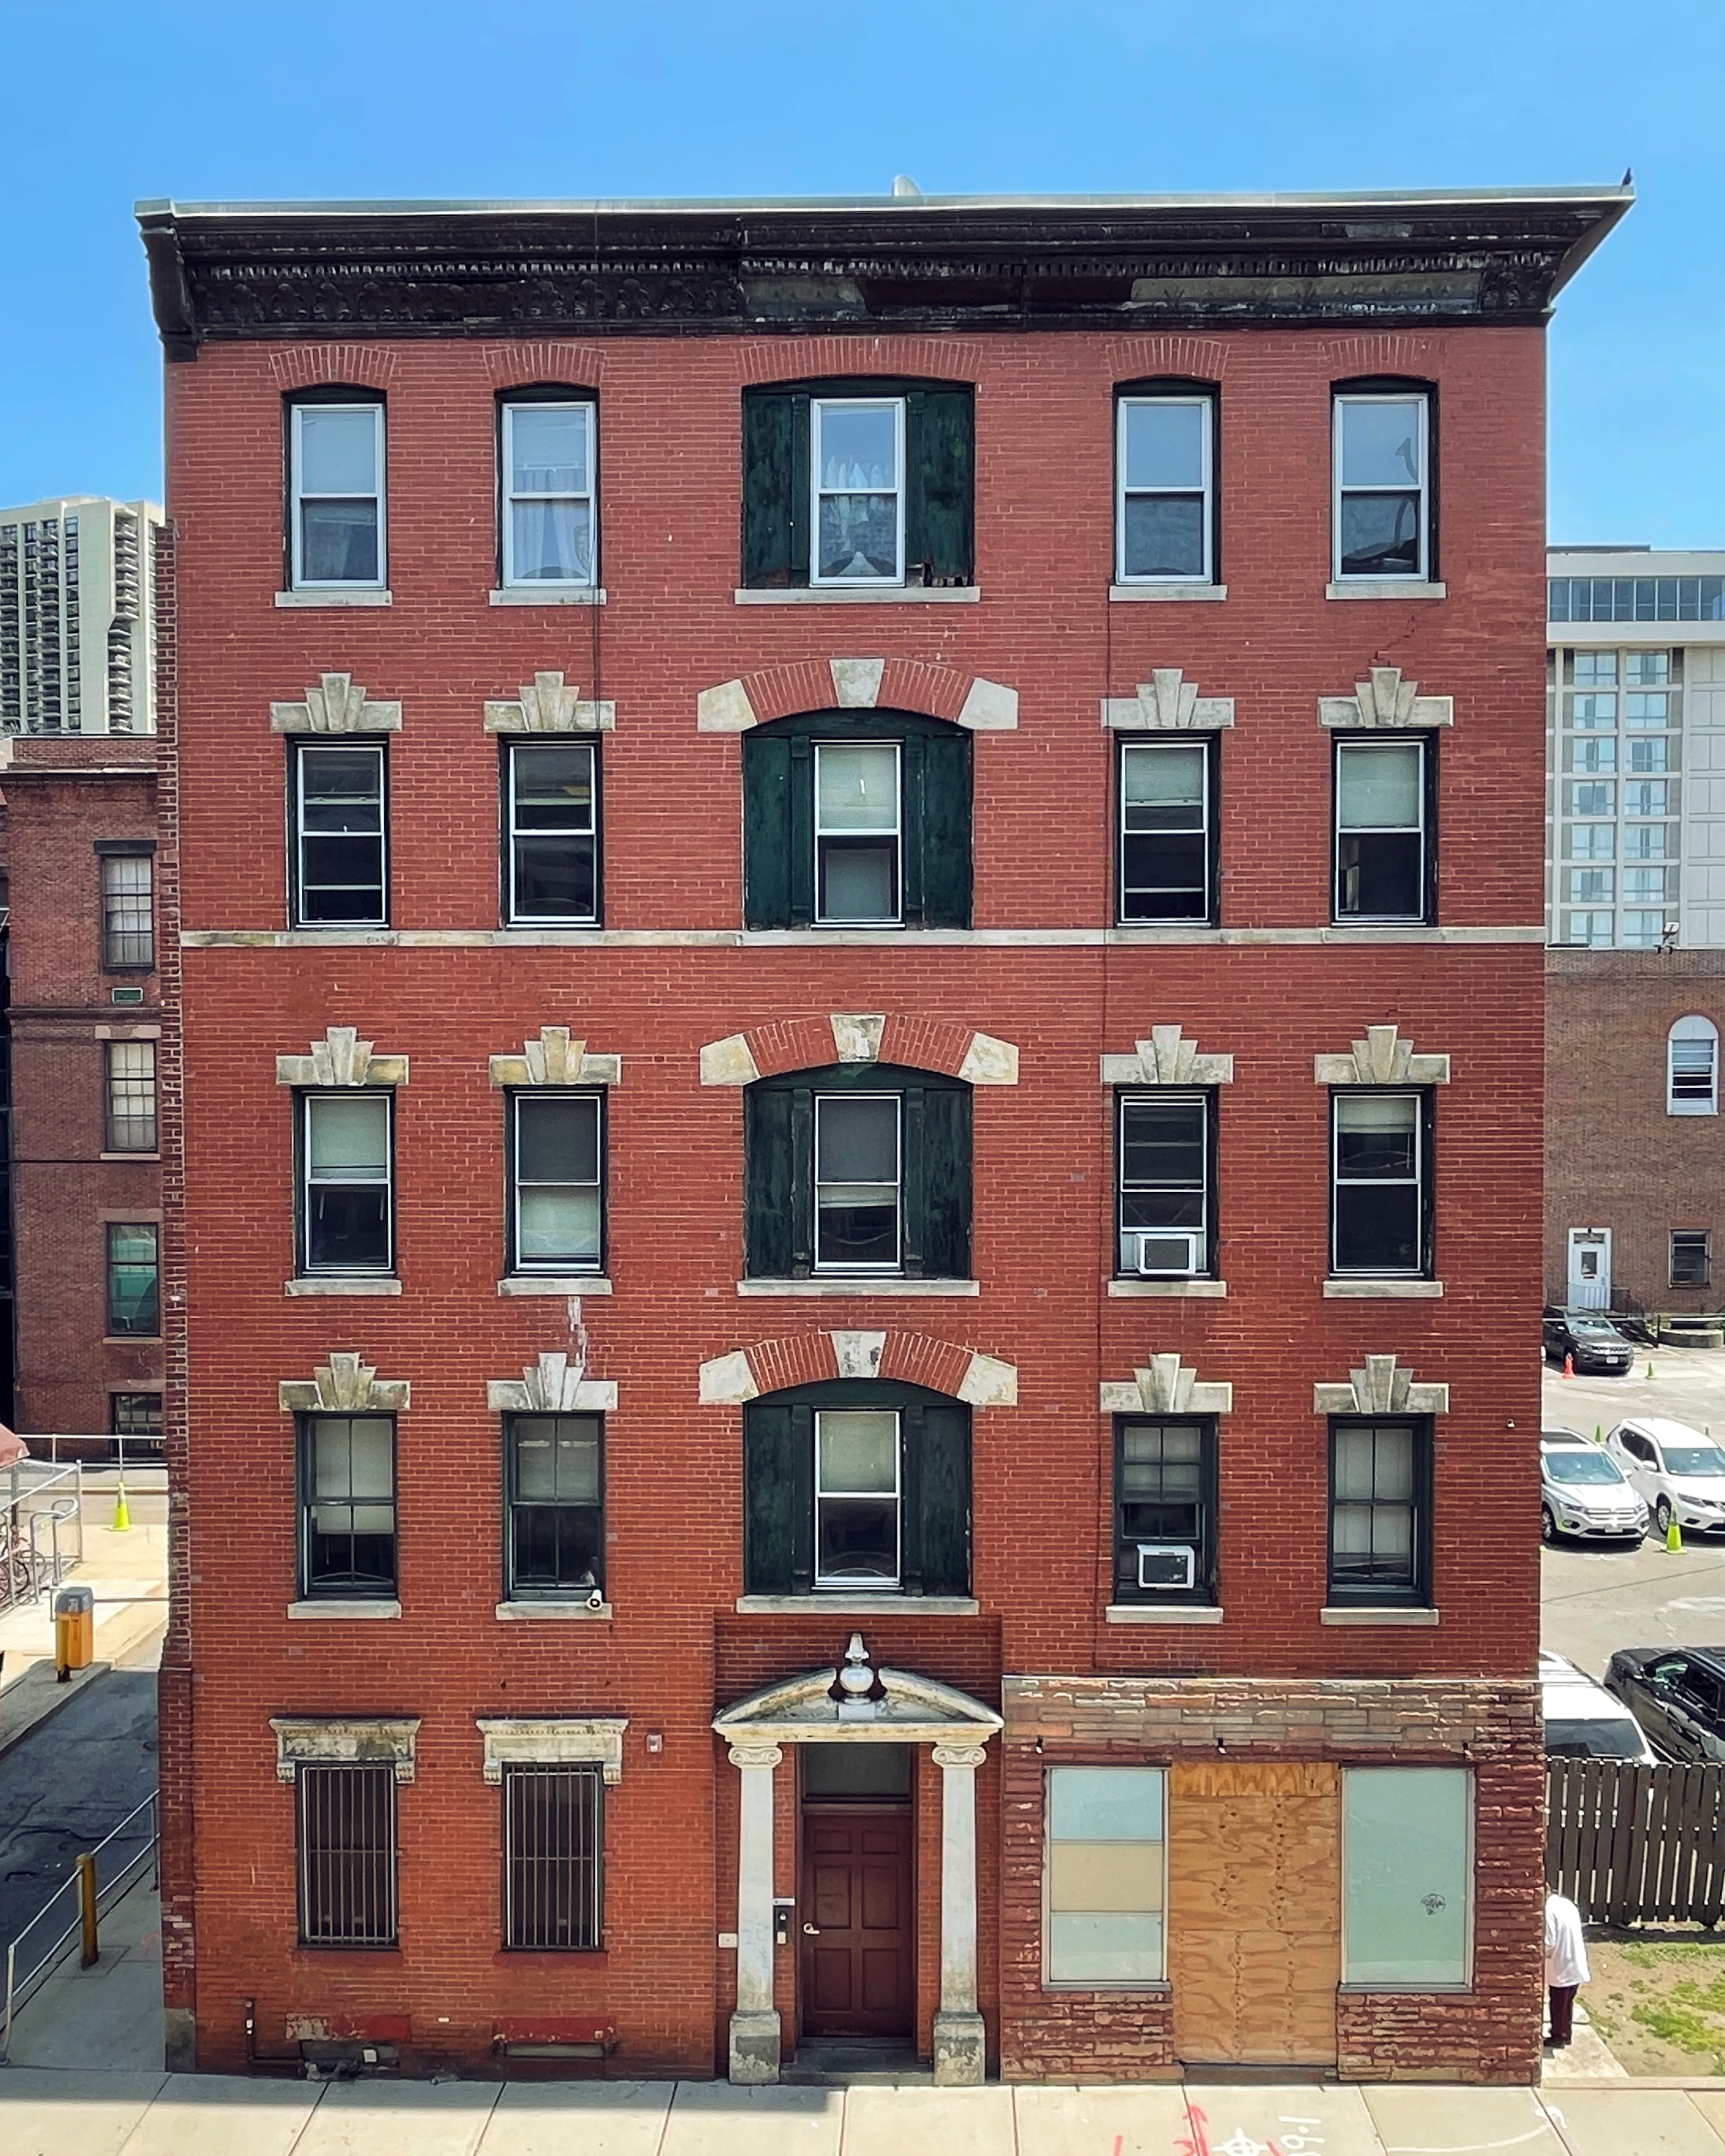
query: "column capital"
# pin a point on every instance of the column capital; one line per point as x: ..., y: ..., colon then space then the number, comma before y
x: 959, y: 1755
x: 755, y: 1755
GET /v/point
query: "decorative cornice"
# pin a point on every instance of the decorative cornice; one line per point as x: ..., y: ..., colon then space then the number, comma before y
x: 338, y: 705
x: 350, y: 1740
x: 341, y: 1058
x: 554, y: 1741
x: 1382, y: 1058
x: 555, y: 1384
x: 1383, y: 1387
x: 556, y: 1060
x: 1166, y: 701
x: 1166, y: 1386
x: 545, y: 706
x: 1383, y: 698
x: 1168, y: 1058
x: 345, y: 1385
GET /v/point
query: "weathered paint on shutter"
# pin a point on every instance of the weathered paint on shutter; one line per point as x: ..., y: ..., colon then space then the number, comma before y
x: 777, y: 1497
x: 802, y: 1100
x: 799, y: 829
x: 941, y: 832
x: 768, y: 1182
x: 940, y: 498
x: 943, y: 1473
x: 945, y: 1168
x: 766, y: 829
x: 775, y: 487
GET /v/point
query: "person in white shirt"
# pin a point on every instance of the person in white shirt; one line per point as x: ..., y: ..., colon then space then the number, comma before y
x: 1566, y: 1969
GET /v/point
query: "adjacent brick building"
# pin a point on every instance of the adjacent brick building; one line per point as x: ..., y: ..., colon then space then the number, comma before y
x: 857, y: 982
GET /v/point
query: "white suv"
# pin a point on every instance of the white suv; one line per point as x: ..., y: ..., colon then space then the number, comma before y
x: 1582, y: 1719
x: 1583, y: 1491
x: 1680, y: 1472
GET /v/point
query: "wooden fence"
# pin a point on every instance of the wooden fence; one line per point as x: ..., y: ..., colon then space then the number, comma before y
x: 1636, y: 1845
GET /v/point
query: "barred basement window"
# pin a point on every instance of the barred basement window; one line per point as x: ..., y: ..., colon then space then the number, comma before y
x: 131, y: 1096
x: 553, y: 1857
x: 347, y: 1843
x: 1691, y: 1257
x: 128, y: 928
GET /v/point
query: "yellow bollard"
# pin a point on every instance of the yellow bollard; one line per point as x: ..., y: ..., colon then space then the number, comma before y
x: 122, y: 1511
x: 1650, y: 1372
x: 1674, y: 1536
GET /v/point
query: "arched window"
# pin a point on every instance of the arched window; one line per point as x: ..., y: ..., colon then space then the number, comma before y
x: 1692, y: 1084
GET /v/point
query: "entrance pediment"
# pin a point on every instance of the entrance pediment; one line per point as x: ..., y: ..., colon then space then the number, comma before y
x: 855, y: 1702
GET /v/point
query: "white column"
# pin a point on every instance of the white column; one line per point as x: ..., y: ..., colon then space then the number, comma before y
x: 960, y: 2048
x: 754, y: 2026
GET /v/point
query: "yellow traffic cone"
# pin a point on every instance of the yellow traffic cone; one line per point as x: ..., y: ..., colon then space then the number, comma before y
x: 1674, y: 1535
x: 122, y: 1511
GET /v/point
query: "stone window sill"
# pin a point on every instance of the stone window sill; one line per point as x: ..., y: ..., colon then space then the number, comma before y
x: 1353, y: 1616
x: 129, y: 1156
x: 355, y: 1286
x: 554, y: 1284
x: 131, y: 1340
x: 1346, y: 1290
x: 362, y: 599
x: 887, y: 1285
x: 1169, y: 591
x: 858, y: 1606
x: 1388, y: 588
x: 1183, y: 1287
x: 355, y: 1606
x: 864, y: 595
x: 1176, y: 1613
x: 531, y: 1612
x: 525, y: 595
x: 1156, y: 1987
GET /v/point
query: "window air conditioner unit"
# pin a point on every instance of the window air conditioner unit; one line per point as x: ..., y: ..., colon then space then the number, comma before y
x: 1166, y: 1565
x: 1162, y: 1251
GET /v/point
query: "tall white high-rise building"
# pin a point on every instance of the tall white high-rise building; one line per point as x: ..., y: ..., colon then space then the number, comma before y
x: 78, y: 617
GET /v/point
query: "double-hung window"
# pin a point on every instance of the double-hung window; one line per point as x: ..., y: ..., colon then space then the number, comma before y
x: 1384, y: 854
x: 1105, y: 1877
x: 346, y: 1205
x: 347, y: 1823
x: 859, y: 1181
x: 857, y: 472
x: 128, y: 922
x: 553, y: 1858
x: 134, y: 1280
x: 1407, y: 1878
x: 335, y: 494
x: 1382, y: 509
x: 1691, y: 1257
x: 1165, y: 508
x: 131, y: 1096
x: 1380, y: 1184
x: 554, y: 1489
x: 1380, y: 1508
x: 551, y: 848
x: 1168, y: 867
x: 858, y: 820
x: 347, y: 1507
x: 341, y: 851
x: 1692, y: 1068
x: 557, y: 1154
x: 548, y: 522
x: 1164, y: 1510
x: 1166, y: 1155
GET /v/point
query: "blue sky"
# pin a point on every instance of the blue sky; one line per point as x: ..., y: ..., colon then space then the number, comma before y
x: 104, y: 103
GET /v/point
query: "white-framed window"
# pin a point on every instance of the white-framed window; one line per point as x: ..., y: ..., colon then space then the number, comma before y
x: 557, y: 1197
x: 1617, y: 715
x: 856, y: 475
x: 336, y: 491
x: 131, y: 1120
x: 128, y: 920
x: 1164, y: 489
x: 1407, y: 1878
x: 857, y: 1182
x: 1382, y: 512
x: 1382, y: 870
x: 1692, y: 1083
x: 1592, y: 929
x: 347, y: 1208
x: 340, y: 863
x: 1105, y: 1877
x: 1378, y: 1184
x: 859, y: 816
x: 1691, y: 1257
x: 549, y: 525
x: 858, y: 1491
x: 551, y: 864
x: 1166, y: 1176
x: 1166, y: 851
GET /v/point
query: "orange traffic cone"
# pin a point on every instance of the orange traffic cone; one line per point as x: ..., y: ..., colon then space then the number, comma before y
x: 1568, y: 1365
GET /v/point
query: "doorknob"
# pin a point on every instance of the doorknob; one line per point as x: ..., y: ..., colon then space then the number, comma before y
x: 813, y: 1930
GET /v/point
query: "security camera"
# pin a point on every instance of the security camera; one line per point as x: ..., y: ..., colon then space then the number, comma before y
x: 596, y: 1601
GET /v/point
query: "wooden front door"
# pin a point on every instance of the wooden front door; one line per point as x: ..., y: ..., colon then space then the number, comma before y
x: 857, y: 1918
x: 1254, y: 1912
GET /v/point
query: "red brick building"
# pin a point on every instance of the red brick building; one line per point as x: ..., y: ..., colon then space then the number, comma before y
x: 858, y: 981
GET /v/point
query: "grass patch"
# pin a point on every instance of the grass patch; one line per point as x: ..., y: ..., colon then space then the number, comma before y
x: 1662, y: 2008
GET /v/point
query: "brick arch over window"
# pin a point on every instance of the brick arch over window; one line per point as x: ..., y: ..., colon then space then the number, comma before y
x: 814, y: 1042
x: 1389, y: 352
x: 817, y: 685
x: 763, y: 360
x: 305, y: 366
x: 534, y: 366
x: 1179, y: 358
x: 814, y: 1358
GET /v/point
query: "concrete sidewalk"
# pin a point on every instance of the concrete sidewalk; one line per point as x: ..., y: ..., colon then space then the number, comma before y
x: 128, y: 1573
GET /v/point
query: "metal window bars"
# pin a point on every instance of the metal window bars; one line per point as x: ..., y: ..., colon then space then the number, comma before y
x: 348, y: 1847
x: 553, y: 1837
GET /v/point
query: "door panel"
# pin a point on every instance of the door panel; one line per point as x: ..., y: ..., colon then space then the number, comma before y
x: 1590, y: 1268
x: 856, y: 1965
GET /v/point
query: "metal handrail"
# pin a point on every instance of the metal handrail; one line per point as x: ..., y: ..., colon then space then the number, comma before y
x: 20, y: 1989
x: 25, y: 1498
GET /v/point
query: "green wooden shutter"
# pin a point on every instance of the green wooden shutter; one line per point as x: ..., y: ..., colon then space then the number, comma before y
x: 943, y: 1511
x: 940, y: 498
x: 777, y: 1497
x: 944, y: 1171
x: 799, y: 829
x: 941, y: 833
x: 766, y: 830
x: 769, y: 1182
x: 775, y: 487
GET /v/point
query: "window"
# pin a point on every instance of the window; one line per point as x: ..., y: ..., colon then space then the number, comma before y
x: 553, y: 1479
x: 1167, y: 867
x: 1166, y: 1154
x: 340, y: 850
x: 134, y: 1280
x: 553, y: 1845
x: 1164, y: 1510
x: 1380, y: 1482
x: 856, y: 819
x: 853, y: 1487
x: 1380, y: 1187
x: 1635, y: 598
x: 335, y: 487
x: 1691, y: 1257
x: 128, y: 926
x: 136, y: 1418
x: 1381, y: 510
x: 549, y: 524
x: 863, y: 1168
x: 1692, y: 1068
x: 1106, y: 1874
x: 1165, y: 514
x: 556, y: 1209
x: 346, y: 1855
x: 550, y: 791
x: 348, y: 1506
x: 1407, y: 1882
x: 1382, y: 814
x: 131, y: 1096
x: 852, y: 484
x: 348, y: 1209
x: 1618, y: 711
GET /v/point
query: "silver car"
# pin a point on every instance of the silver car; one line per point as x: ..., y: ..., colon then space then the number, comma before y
x: 1584, y: 1492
